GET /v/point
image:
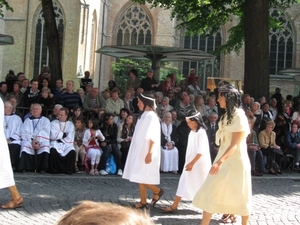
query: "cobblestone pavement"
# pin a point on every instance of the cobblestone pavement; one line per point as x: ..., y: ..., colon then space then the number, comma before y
x: 276, y: 199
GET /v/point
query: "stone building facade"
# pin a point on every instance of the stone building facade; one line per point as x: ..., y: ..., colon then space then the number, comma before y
x: 87, y: 25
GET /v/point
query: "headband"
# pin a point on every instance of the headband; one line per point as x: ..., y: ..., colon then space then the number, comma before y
x: 197, y: 114
x: 151, y: 99
x: 226, y: 89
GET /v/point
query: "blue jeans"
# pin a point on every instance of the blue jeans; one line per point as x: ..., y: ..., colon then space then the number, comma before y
x: 114, y: 150
x: 256, y: 156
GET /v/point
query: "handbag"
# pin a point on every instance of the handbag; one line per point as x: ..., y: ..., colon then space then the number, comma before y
x: 125, y: 144
x: 111, y: 167
x: 276, y: 151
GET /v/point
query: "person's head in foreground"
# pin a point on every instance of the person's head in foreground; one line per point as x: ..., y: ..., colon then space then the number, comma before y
x: 93, y: 213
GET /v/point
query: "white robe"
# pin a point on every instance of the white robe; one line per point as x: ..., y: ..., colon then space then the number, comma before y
x: 6, y: 173
x: 136, y: 170
x: 191, y: 181
x: 57, y: 131
x: 36, y: 129
x: 12, y: 128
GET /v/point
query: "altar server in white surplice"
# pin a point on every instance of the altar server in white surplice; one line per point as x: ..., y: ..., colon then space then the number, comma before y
x: 35, y: 134
x: 12, y: 128
x: 62, y: 151
x: 169, y: 153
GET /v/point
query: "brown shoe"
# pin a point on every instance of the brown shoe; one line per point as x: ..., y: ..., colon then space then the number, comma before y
x: 13, y: 204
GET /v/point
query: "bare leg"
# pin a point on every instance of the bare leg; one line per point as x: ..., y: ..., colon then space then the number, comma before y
x: 14, y: 192
x: 175, y: 204
x: 245, y: 220
x: 205, y: 218
x: 143, y: 193
x: 155, y: 190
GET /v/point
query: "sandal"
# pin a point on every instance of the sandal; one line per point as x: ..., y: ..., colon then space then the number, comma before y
x: 169, y: 209
x: 233, y: 219
x: 139, y: 205
x: 13, y: 204
x: 154, y: 201
x: 226, y: 218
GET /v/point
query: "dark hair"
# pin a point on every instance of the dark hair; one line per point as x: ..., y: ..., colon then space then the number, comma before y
x: 18, y: 83
x: 34, y: 80
x: 170, y: 76
x: 133, y: 71
x: 77, y: 107
x: 59, y: 79
x: 95, y: 123
x: 147, y: 102
x: 3, y: 82
x: 46, y: 80
x: 124, y: 110
x: 232, y: 98
x: 198, y: 119
x: 128, y: 132
x: 65, y: 110
x: 82, y: 119
x: 105, y: 117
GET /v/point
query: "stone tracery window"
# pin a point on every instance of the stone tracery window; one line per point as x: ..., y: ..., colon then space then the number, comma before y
x: 204, y: 68
x: 134, y: 27
x: 281, y: 43
x: 41, y: 54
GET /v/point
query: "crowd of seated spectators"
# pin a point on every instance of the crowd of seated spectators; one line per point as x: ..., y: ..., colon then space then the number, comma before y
x: 65, y: 113
x: 274, y: 132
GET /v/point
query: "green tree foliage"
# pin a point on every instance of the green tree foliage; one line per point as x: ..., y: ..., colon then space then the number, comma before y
x: 207, y: 16
x: 122, y: 67
x: 4, y: 3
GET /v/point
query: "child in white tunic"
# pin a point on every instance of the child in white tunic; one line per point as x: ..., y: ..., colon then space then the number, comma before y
x: 6, y: 173
x: 142, y: 165
x: 197, y: 161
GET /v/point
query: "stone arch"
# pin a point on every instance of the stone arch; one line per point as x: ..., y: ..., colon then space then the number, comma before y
x: 40, y: 50
x: 143, y: 25
x: 281, y: 42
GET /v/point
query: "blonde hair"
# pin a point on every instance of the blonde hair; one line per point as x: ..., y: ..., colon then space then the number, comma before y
x: 45, y: 89
x: 270, y: 122
x: 88, y: 212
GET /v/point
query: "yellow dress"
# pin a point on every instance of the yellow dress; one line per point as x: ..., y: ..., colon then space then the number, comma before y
x: 230, y: 190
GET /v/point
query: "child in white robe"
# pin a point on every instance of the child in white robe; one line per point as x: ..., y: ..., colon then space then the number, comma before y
x: 197, y: 162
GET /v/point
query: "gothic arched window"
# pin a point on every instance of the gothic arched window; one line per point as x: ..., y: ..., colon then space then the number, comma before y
x: 134, y: 27
x: 204, y: 68
x: 41, y: 54
x: 281, y: 42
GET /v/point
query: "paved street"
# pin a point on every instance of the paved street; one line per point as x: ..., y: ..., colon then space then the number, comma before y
x: 276, y: 199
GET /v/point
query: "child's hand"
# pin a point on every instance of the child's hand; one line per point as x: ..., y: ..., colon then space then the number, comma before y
x: 148, y: 158
x: 189, y: 167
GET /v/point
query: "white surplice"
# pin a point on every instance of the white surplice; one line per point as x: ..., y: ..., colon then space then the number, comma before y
x: 57, y: 131
x: 12, y: 128
x: 35, y: 129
